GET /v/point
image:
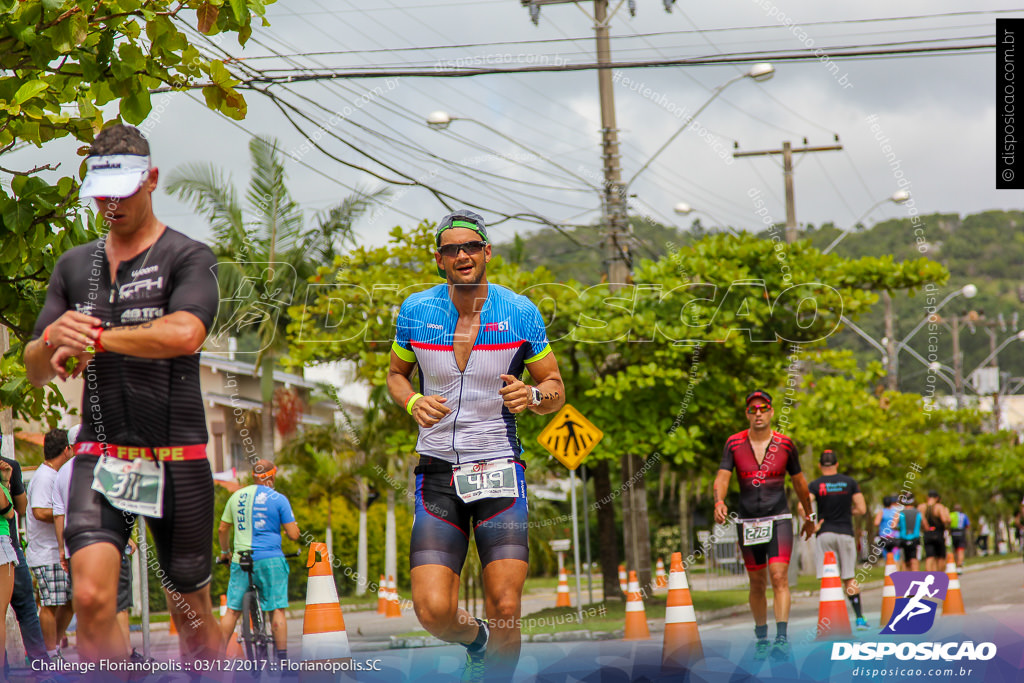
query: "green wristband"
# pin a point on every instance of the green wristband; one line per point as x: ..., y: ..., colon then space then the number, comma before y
x: 412, y: 400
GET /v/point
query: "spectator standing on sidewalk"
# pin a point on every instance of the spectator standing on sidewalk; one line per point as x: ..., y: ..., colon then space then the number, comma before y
x: 42, y: 553
x: 23, y: 599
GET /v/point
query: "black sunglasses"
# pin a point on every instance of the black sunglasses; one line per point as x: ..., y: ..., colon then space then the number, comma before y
x: 471, y: 248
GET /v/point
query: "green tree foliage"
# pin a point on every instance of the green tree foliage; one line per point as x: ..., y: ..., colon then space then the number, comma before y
x: 265, y: 252
x: 61, y: 63
x: 627, y: 356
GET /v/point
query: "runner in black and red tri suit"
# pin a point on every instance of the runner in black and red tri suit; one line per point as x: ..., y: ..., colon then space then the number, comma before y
x: 133, y: 309
x: 762, y: 457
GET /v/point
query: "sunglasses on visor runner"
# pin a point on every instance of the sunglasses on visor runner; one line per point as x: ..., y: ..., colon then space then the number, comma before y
x: 471, y: 248
x: 754, y: 410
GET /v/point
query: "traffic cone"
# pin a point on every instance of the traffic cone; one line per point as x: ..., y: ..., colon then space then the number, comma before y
x: 563, y: 589
x: 223, y: 605
x: 636, y: 618
x: 888, y: 590
x: 622, y: 578
x: 682, y: 641
x: 323, y: 626
x: 832, y: 617
x: 173, y: 629
x: 660, y: 580
x: 234, y: 648
x: 382, y: 596
x: 954, y: 602
x: 394, y: 608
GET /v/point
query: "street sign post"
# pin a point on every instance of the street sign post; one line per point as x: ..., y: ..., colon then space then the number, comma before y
x: 570, y: 437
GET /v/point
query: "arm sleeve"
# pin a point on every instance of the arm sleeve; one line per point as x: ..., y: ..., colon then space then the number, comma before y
x: 195, y: 285
x: 727, y: 459
x: 286, y: 511
x: 854, y: 486
x: 59, y: 493
x: 56, y: 301
x: 793, y: 460
x: 534, y: 333
x: 17, y: 482
x: 228, y: 514
x: 402, y: 346
x: 35, y: 500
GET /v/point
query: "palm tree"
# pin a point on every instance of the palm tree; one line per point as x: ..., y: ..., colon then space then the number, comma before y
x: 384, y: 429
x: 264, y: 252
x: 333, y: 467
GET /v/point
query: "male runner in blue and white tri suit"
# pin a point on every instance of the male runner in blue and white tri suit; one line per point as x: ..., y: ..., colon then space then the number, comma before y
x: 471, y: 340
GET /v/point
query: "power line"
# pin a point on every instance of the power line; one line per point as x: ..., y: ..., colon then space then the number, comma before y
x: 738, y: 58
x: 589, y: 39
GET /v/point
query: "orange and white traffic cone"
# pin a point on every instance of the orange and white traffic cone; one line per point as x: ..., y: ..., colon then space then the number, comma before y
x: 636, y: 618
x: 888, y: 591
x: 323, y: 627
x: 622, y: 579
x: 234, y: 648
x: 832, y: 617
x: 660, y: 579
x: 173, y: 628
x: 563, y: 589
x: 954, y: 602
x: 394, y: 608
x: 223, y: 605
x: 682, y: 641
x: 382, y: 596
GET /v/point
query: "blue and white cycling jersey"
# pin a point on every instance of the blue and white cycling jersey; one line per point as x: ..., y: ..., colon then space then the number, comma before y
x: 512, y: 333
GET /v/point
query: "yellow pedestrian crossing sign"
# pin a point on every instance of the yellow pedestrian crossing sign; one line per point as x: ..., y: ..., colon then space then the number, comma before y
x: 570, y: 437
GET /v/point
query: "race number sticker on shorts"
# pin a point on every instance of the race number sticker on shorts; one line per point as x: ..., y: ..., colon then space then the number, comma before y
x: 135, y: 486
x: 755, y: 533
x: 494, y: 479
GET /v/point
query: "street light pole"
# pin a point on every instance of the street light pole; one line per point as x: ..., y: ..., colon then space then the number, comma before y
x: 958, y: 373
x: 898, y: 197
x: 441, y: 120
x: 758, y: 72
x: 893, y: 348
x: 892, y: 379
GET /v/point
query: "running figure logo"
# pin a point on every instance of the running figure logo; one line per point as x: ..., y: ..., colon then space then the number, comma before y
x: 914, y: 613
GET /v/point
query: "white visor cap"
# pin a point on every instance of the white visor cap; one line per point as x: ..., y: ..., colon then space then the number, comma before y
x: 116, y: 175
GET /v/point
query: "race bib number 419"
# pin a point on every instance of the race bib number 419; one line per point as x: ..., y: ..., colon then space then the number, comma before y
x: 494, y: 479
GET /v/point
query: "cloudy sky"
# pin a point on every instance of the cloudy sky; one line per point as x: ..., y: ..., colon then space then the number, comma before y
x: 937, y: 112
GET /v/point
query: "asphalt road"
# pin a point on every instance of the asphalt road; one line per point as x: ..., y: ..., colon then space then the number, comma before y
x: 993, y: 597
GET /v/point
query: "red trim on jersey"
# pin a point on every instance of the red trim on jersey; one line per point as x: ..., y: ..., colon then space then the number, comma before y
x: 482, y: 347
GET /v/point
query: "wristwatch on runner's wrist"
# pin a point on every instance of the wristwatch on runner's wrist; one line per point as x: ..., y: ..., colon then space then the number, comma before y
x: 536, y: 399
x: 812, y: 518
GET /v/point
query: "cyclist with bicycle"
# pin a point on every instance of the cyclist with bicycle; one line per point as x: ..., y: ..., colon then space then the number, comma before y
x: 257, y: 513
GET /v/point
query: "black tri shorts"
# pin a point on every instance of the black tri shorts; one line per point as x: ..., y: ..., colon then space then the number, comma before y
x: 183, y: 535
x: 442, y: 521
x: 778, y: 548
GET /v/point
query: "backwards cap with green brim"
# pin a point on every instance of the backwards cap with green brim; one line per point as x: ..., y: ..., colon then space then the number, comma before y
x: 460, y: 219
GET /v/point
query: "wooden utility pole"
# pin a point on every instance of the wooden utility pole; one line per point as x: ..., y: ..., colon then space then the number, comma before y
x: 787, y: 173
x: 618, y: 267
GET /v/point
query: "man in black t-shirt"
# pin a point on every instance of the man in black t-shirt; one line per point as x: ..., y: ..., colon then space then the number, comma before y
x: 839, y: 499
x: 133, y: 308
